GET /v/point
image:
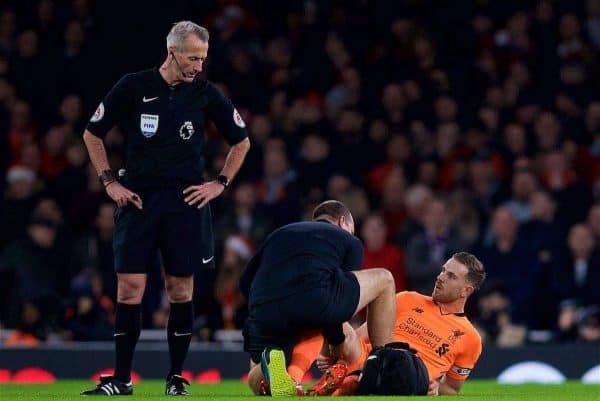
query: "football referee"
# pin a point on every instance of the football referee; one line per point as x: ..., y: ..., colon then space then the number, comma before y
x: 163, y: 201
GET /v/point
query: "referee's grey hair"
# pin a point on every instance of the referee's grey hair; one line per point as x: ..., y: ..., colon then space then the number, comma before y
x: 181, y: 30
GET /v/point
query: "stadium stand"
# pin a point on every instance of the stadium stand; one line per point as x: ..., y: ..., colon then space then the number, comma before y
x: 444, y: 126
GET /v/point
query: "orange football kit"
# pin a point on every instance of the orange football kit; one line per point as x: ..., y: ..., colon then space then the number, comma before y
x: 447, y: 343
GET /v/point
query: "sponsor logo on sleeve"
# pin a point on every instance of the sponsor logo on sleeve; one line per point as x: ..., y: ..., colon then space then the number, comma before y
x: 238, y: 120
x: 98, y: 114
x: 460, y: 371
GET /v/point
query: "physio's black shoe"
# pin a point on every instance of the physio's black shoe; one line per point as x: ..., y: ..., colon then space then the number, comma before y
x: 175, y: 386
x: 110, y: 386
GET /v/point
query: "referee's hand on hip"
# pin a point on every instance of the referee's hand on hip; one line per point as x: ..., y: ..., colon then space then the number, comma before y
x: 203, y: 193
x: 122, y: 196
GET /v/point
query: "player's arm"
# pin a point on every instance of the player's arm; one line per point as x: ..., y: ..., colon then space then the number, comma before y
x: 363, y: 331
x: 231, y: 125
x: 449, y: 386
x: 117, y: 192
x: 108, y: 113
x: 235, y: 158
x: 463, y: 365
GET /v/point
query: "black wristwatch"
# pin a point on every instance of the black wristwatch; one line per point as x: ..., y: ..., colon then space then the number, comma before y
x: 223, y: 180
x: 107, y: 177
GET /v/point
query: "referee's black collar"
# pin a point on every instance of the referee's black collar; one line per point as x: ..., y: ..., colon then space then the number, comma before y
x: 164, y: 84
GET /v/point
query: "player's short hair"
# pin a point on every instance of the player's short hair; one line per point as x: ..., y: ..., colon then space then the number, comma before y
x: 331, y: 208
x: 476, y: 274
x: 181, y: 30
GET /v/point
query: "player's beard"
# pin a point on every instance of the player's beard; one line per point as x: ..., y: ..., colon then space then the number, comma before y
x: 441, y: 294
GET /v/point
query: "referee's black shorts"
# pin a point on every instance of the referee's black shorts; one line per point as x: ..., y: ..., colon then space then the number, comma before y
x: 182, y: 233
x: 279, y: 324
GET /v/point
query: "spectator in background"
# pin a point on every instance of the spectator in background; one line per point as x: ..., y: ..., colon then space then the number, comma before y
x: 261, y: 128
x: 573, y: 279
x: 560, y: 178
x: 244, y: 217
x: 593, y: 22
x: 35, y: 263
x: 21, y: 131
x: 8, y: 29
x: 514, y: 143
x: 54, y: 161
x: 46, y: 25
x: 31, y: 157
x: 237, y: 251
x: 524, y: 184
x: 70, y: 111
x: 315, y: 163
x: 494, y: 318
x: 392, y: 199
x: 32, y: 85
x: 30, y: 329
x: 428, y: 172
x: 74, y: 60
x: 72, y: 180
x: 486, y: 190
x: 48, y: 209
x: 543, y: 232
x: 93, y: 253
x: 91, y: 315
x: 427, y: 251
x: 398, y: 153
x: 381, y: 253
x: 341, y: 188
x: 18, y: 203
x: 545, y: 238
x: 350, y: 142
x: 511, y: 264
x: 416, y: 200
x: 593, y: 222
x: 83, y: 206
x: 547, y: 131
x: 278, y: 189
x: 464, y: 217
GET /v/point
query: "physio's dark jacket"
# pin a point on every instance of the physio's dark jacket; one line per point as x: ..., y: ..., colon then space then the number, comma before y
x: 297, y: 257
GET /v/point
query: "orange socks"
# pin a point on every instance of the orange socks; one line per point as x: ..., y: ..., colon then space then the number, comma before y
x: 305, y: 352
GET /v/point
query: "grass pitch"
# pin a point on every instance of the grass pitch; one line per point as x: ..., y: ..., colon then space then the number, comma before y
x: 475, y: 390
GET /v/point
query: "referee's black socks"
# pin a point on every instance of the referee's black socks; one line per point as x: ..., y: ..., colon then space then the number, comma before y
x: 179, y: 333
x: 128, y: 324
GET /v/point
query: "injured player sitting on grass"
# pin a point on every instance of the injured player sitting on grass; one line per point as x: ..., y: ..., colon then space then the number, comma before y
x: 434, y: 327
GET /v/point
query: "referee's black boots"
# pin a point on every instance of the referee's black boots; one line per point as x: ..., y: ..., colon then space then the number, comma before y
x: 110, y: 386
x: 175, y: 386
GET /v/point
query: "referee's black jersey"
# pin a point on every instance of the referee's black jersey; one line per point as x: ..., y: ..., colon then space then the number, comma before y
x: 164, y: 127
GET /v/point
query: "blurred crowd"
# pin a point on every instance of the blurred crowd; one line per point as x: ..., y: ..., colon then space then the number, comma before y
x: 443, y: 125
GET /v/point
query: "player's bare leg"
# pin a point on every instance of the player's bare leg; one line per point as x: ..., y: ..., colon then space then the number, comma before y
x: 130, y: 288
x: 335, y: 369
x: 377, y: 294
